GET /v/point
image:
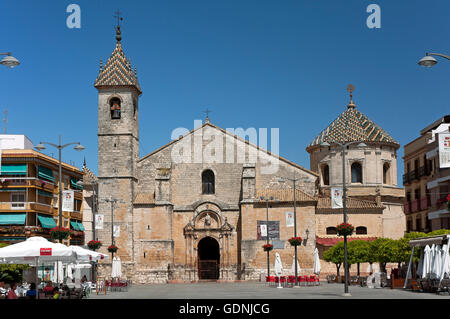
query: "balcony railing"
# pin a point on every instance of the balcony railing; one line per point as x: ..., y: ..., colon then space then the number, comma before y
x: 407, y: 207
x: 414, y: 205
x: 27, y: 206
x: 425, y: 202
x: 23, y: 230
x: 26, y: 181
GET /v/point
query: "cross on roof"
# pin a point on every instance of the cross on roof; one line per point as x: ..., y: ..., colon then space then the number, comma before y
x: 207, y: 114
x: 119, y: 18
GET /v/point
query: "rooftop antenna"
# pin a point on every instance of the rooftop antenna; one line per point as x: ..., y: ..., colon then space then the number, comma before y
x: 5, y: 120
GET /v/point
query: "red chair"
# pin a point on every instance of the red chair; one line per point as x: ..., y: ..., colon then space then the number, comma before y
x: 291, y: 281
x: 283, y: 280
x: 305, y: 280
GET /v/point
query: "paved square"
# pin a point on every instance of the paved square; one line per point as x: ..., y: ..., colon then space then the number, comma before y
x: 257, y: 290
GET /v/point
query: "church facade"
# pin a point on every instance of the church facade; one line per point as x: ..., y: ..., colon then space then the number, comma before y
x: 200, y: 207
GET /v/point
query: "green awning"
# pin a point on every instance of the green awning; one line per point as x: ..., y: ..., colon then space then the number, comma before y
x: 73, y: 183
x: 80, y: 226
x: 46, y: 222
x: 74, y: 225
x: 14, y: 169
x: 13, y: 189
x: 44, y: 193
x: 45, y: 173
x: 12, y: 219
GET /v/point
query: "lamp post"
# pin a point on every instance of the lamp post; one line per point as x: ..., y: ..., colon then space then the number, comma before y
x: 9, y: 61
x: 41, y: 147
x: 429, y: 61
x: 343, y: 147
x: 267, y: 228
x: 294, y: 180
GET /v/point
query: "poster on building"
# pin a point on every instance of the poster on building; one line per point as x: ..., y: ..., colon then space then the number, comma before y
x: 68, y: 201
x: 116, y: 231
x: 289, y: 219
x: 273, y: 229
x: 99, y: 221
x: 336, y: 197
x: 278, y: 244
x: 263, y: 230
x: 444, y: 150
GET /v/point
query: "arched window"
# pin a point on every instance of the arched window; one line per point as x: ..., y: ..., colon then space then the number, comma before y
x: 208, y: 182
x: 114, y: 104
x: 326, y: 175
x: 331, y: 231
x: 361, y: 230
x: 386, y: 173
x: 356, y: 173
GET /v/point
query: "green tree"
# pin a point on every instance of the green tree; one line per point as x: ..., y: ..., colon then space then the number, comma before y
x: 383, y: 250
x: 358, y: 252
x: 12, y: 273
x: 335, y: 255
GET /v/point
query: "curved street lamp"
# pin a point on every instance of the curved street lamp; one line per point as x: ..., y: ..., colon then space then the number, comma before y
x: 41, y: 147
x: 9, y: 61
x: 343, y: 147
x: 429, y: 61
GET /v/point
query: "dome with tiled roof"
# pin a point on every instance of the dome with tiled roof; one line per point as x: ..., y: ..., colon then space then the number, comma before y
x: 352, y: 125
x: 117, y: 71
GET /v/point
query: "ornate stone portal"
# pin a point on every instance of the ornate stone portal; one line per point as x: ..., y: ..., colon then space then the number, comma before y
x: 208, y: 223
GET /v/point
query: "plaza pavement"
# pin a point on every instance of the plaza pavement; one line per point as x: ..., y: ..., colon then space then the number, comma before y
x: 257, y: 290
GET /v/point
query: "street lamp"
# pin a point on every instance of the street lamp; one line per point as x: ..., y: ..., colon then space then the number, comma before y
x: 343, y: 147
x: 9, y: 61
x: 429, y: 61
x: 267, y: 228
x: 41, y: 147
x: 294, y: 180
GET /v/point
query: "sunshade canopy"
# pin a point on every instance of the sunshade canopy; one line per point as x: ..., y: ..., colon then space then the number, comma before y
x: 46, y: 221
x: 12, y: 219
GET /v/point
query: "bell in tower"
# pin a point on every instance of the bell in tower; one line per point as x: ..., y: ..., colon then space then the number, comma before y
x: 115, y: 108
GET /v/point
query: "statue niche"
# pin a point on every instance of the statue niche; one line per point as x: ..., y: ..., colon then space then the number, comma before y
x: 207, y: 220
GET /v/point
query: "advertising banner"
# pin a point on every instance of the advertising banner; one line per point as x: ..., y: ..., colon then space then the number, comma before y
x: 444, y: 150
x: 68, y: 201
x: 336, y: 197
x: 289, y: 219
x: 99, y: 221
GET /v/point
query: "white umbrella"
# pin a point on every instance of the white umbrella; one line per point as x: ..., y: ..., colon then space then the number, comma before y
x: 60, y: 272
x: 436, y: 262
x: 316, y: 262
x: 420, y: 266
x: 278, y: 265
x: 445, y: 262
x: 114, y: 268
x: 86, y: 255
x: 119, y: 267
x: 426, y: 262
x: 69, y: 271
x: 293, y: 266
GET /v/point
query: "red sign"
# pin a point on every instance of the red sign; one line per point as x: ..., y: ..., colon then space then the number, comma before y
x: 46, y: 251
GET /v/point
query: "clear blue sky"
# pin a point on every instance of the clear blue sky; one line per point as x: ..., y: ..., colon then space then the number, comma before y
x: 255, y: 63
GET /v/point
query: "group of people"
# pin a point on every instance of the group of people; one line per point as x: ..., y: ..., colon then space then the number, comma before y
x: 49, y: 290
x: 11, y: 292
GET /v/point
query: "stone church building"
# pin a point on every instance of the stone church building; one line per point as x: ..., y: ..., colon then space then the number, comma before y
x: 193, y: 209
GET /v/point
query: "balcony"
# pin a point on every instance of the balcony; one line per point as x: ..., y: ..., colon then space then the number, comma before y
x: 425, y: 202
x: 76, y: 215
x: 23, y: 230
x: 406, y: 180
x: 414, y: 205
x: 26, y: 181
x: 407, y: 207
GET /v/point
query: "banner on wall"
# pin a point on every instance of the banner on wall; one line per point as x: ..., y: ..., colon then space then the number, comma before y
x: 444, y: 150
x: 116, y: 231
x: 99, y: 221
x: 263, y: 230
x: 336, y: 197
x: 68, y: 201
x: 289, y: 219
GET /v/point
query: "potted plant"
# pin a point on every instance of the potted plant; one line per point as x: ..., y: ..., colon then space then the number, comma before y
x: 268, y: 247
x: 295, y: 241
x: 43, y: 183
x: 345, y: 229
x: 59, y: 233
x: 94, y: 244
x: 112, y: 248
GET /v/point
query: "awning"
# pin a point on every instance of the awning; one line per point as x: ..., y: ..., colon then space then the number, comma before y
x: 14, y: 169
x: 44, y: 193
x: 80, y: 226
x: 45, y: 173
x: 12, y: 219
x: 74, y: 225
x: 46, y: 222
x: 423, y: 241
x: 73, y: 183
x: 334, y: 240
x: 13, y: 189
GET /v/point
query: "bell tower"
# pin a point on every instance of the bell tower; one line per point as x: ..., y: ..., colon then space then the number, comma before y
x: 118, y: 149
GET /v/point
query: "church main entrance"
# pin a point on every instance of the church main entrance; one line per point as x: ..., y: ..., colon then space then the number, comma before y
x: 208, y: 259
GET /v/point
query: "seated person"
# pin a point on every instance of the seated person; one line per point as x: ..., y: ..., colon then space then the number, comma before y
x: 31, y: 293
x: 49, y: 287
x: 84, y: 279
x: 56, y: 293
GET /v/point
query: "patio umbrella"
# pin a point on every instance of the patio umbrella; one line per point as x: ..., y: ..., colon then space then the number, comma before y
x: 86, y: 255
x: 316, y: 262
x: 114, y: 268
x: 420, y: 266
x: 119, y: 267
x: 69, y: 271
x: 293, y: 266
x: 278, y: 265
x: 426, y: 261
x: 438, y: 261
x: 445, y: 262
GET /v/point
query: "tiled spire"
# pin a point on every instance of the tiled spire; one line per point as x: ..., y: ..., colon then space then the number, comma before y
x: 117, y: 71
x: 352, y: 126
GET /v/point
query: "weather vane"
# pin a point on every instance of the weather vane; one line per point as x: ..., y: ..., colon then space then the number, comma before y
x: 119, y: 18
x: 351, y: 88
